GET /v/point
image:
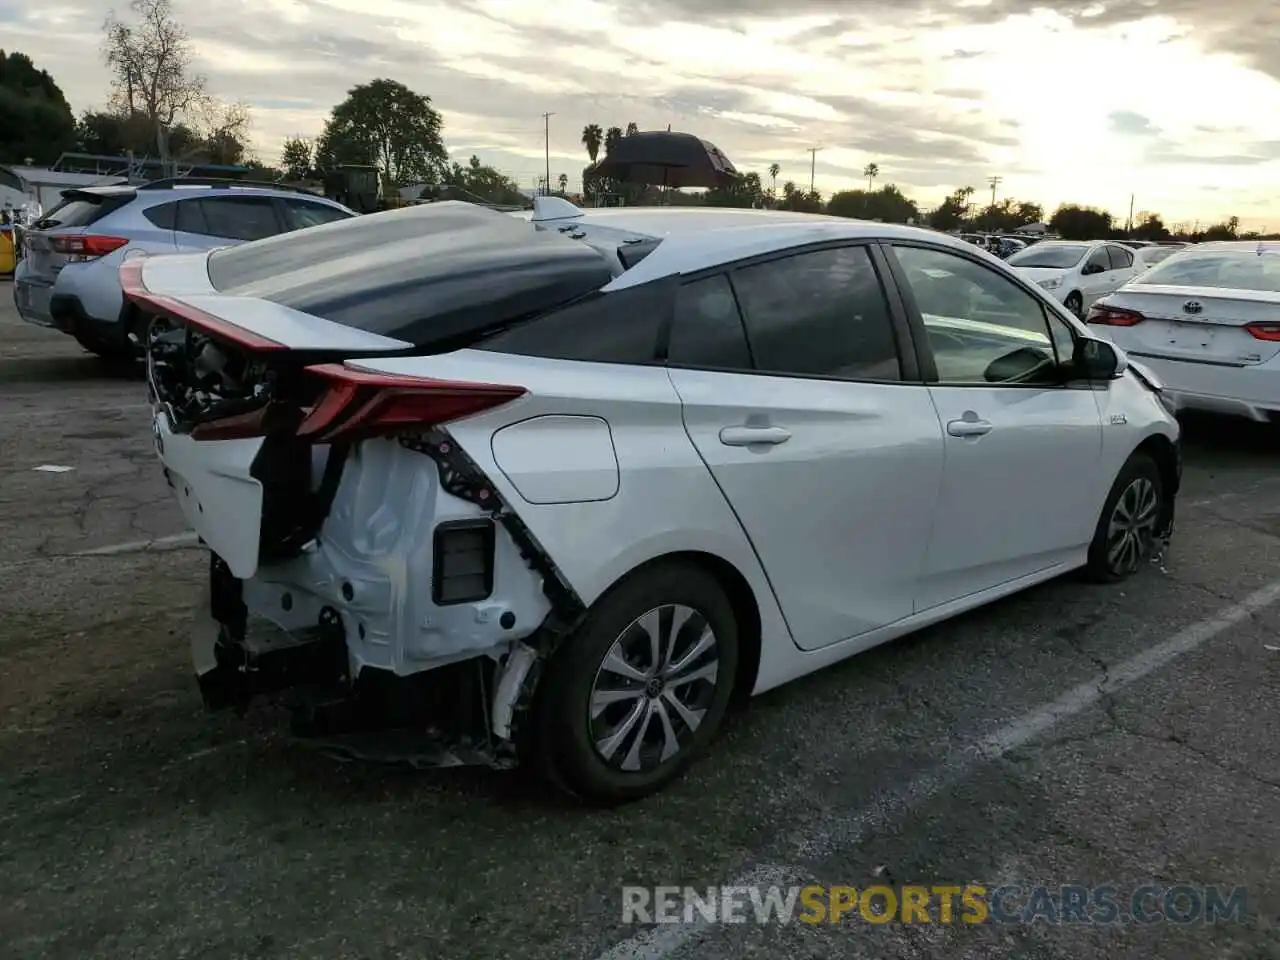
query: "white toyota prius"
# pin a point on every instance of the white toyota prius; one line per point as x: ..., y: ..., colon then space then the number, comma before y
x: 556, y: 489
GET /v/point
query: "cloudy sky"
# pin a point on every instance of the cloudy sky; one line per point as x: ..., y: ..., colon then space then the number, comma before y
x: 1068, y: 100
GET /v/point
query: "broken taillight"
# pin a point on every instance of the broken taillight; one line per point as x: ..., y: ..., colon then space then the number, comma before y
x: 365, y: 403
x: 1114, y: 317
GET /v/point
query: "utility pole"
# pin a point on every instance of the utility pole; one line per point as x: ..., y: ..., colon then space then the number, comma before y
x: 1129, y: 229
x: 546, y: 120
x: 813, y: 166
x: 994, y: 182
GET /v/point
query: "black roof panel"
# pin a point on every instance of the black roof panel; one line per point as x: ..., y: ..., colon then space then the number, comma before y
x: 428, y: 274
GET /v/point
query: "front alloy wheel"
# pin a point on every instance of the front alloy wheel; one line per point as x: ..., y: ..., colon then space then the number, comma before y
x: 654, y: 688
x: 1129, y: 526
x: 1131, y: 532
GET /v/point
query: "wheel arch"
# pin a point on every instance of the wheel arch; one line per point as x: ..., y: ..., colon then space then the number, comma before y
x: 1165, y: 454
x: 742, y: 598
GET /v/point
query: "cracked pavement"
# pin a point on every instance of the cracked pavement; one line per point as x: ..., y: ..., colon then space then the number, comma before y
x: 134, y: 824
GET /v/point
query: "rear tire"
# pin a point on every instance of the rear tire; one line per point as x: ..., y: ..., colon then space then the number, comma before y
x: 1126, y: 533
x: 1075, y: 303
x: 610, y: 724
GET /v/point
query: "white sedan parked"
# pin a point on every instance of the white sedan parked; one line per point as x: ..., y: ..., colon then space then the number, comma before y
x: 1207, y: 321
x: 558, y: 490
x: 1077, y: 273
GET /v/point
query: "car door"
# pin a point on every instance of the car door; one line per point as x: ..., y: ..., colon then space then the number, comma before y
x: 1123, y: 266
x: 822, y: 439
x: 1022, y: 445
x: 206, y: 222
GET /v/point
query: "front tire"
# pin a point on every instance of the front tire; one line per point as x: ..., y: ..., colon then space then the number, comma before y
x: 1126, y: 533
x: 638, y: 691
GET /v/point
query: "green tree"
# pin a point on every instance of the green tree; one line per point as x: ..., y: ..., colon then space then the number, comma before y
x: 871, y: 171
x: 611, y: 137
x: 745, y: 191
x: 562, y: 182
x: 1074, y: 222
x: 592, y: 138
x: 151, y: 61
x: 36, y: 121
x: 951, y: 212
x: 1228, y: 230
x: 801, y: 201
x: 774, y: 170
x: 1150, y: 227
x: 476, y: 181
x: 1008, y: 215
x: 888, y: 204
x: 295, y: 158
x: 632, y: 129
x: 385, y: 124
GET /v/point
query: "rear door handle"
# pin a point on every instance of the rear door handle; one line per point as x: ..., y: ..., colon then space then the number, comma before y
x: 969, y: 428
x: 750, y: 436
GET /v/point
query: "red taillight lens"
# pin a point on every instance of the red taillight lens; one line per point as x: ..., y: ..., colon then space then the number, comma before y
x: 363, y: 403
x: 238, y: 427
x: 1114, y: 316
x: 1264, y: 331
x: 87, y: 246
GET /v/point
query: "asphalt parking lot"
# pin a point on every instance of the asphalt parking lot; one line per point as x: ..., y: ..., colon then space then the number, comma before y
x: 1076, y: 735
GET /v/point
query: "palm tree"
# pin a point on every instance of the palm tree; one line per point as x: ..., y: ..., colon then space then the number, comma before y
x: 965, y: 194
x: 611, y: 137
x: 870, y: 171
x: 774, y: 170
x: 563, y: 180
x: 592, y: 137
x: 632, y: 129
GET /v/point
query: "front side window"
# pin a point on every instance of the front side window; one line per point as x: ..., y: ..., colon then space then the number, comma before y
x: 982, y: 327
x: 1098, y: 261
x: 819, y: 314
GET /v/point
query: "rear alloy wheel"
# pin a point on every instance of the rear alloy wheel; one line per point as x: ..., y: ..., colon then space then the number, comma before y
x: 1126, y: 534
x: 632, y: 698
x: 1075, y: 303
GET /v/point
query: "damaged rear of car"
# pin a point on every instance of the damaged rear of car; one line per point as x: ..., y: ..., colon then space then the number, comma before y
x: 361, y: 564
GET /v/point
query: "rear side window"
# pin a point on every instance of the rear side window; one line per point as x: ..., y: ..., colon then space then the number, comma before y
x: 304, y: 213
x: 240, y: 218
x: 1121, y: 259
x: 619, y: 327
x: 819, y: 314
x: 164, y: 216
x: 190, y: 218
x: 706, y: 327
x: 82, y: 209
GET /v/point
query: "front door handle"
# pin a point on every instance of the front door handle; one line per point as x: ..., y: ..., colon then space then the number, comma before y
x: 969, y: 428
x: 749, y: 436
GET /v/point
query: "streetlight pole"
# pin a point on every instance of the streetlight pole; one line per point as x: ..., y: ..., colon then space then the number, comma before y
x: 813, y: 166
x: 546, y: 121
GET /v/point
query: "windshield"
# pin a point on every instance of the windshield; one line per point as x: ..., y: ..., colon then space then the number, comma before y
x: 1228, y: 271
x: 1059, y: 256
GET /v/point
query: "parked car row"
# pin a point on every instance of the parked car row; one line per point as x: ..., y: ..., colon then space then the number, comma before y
x: 555, y: 487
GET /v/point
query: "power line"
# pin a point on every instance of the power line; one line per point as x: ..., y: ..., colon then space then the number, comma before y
x: 994, y: 183
x: 546, y: 120
x: 813, y: 165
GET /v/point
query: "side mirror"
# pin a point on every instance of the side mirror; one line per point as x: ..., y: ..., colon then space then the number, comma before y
x: 1096, y: 360
x: 1090, y: 269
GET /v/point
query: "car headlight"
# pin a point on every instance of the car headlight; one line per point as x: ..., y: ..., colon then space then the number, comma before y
x: 1052, y: 283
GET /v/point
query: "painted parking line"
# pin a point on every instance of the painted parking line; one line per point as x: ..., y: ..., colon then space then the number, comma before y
x: 845, y: 831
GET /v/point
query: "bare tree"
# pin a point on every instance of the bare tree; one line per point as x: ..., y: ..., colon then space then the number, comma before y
x: 151, y: 59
